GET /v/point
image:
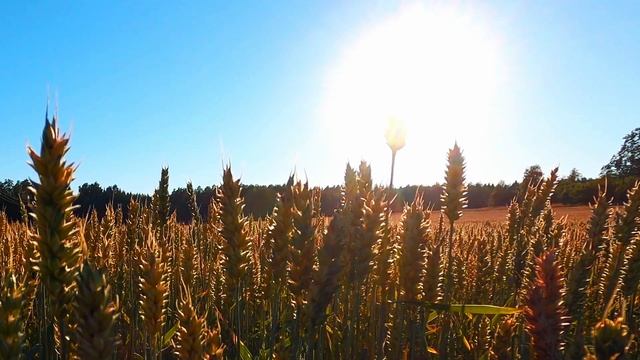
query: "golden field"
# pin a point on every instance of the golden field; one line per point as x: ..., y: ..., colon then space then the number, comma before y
x: 531, y: 281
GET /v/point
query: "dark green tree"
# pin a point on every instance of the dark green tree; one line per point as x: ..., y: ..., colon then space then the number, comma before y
x: 627, y: 161
x: 532, y: 175
x: 575, y: 176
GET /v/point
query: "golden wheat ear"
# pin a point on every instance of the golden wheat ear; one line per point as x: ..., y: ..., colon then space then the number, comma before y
x: 303, y: 250
x: 630, y: 278
x: 213, y: 347
x: 325, y: 279
x: 611, y: 338
x: 454, y: 196
x: 280, y: 234
x: 58, y: 251
x: 154, y: 290
x: 628, y: 224
x: 502, y: 347
x: 189, y: 342
x: 383, y: 250
x: 413, y: 250
x: 237, y: 253
x: 544, y: 312
x: 160, y: 203
x: 13, y: 299
x: 95, y: 314
x: 373, y: 216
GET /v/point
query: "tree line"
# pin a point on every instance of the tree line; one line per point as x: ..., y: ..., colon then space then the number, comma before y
x: 260, y: 199
x: 622, y: 171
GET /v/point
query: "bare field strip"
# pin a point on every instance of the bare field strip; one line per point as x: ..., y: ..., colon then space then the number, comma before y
x: 497, y: 214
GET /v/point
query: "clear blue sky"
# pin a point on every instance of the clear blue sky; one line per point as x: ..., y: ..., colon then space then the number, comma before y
x: 193, y: 85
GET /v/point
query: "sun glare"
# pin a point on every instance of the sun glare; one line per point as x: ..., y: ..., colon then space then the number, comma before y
x: 434, y: 68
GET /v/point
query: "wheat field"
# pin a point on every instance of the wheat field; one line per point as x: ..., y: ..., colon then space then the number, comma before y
x: 527, y: 284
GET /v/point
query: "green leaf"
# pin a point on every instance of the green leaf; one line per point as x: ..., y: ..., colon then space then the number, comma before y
x: 482, y: 309
x: 465, y: 308
x: 466, y: 343
x: 432, y: 315
x: 245, y: 354
x: 166, y: 338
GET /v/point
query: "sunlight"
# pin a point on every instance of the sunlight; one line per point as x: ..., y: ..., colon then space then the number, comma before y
x: 435, y: 68
x: 395, y: 134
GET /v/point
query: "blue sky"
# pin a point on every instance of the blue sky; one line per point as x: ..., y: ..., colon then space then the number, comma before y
x: 144, y: 84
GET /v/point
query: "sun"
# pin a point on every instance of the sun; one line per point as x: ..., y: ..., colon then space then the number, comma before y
x: 435, y: 68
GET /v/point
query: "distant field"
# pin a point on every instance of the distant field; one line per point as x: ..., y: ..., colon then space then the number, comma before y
x: 491, y: 214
